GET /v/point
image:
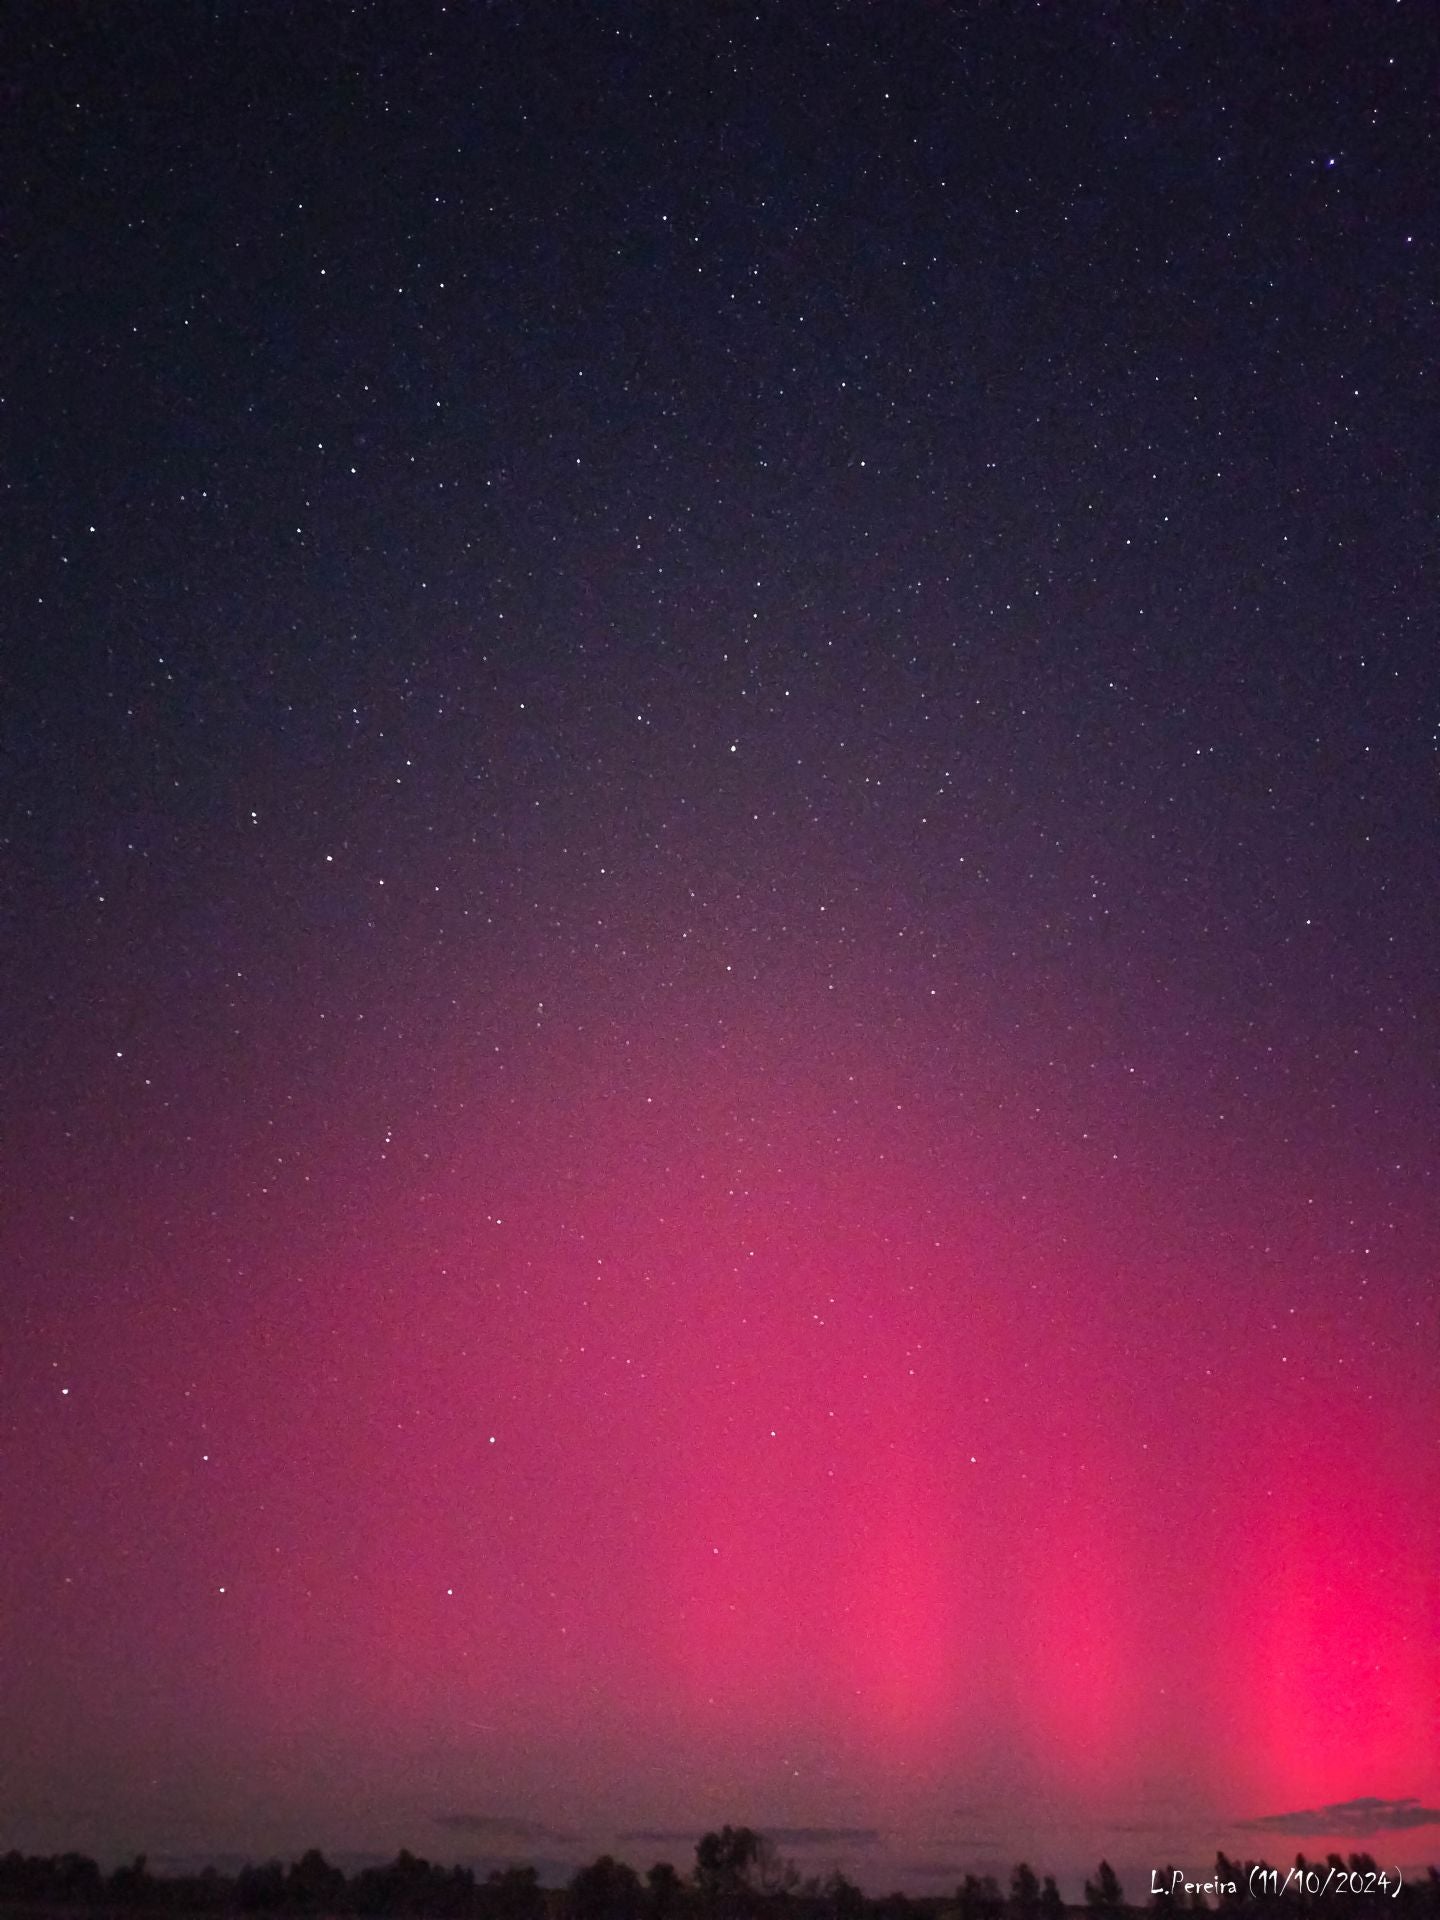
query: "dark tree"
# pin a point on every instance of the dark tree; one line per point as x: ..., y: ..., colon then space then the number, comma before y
x: 65, y: 1879
x: 770, y: 1872
x: 512, y: 1893
x: 723, y: 1861
x: 1229, y: 1873
x: 1167, y: 1895
x: 606, y: 1890
x: 261, y: 1889
x: 401, y: 1888
x: 979, y: 1897
x: 1299, y: 1899
x: 1025, y: 1892
x: 314, y: 1886
x: 78, y: 1881
x: 206, y: 1892
x: 664, y: 1889
x: 133, y: 1886
x: 843, y: 1897
x: 1104, y: 1893
x: 1052, y: 1906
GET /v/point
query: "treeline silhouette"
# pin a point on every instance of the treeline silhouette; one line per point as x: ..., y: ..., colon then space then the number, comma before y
x: 737, y: 1875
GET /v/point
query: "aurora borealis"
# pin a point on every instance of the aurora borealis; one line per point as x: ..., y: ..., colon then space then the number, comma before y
x: 719, y: 770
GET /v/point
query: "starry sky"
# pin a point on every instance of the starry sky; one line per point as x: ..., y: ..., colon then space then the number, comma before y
x: 718, y: 825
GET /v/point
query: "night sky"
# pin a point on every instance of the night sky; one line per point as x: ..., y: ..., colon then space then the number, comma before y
x: 719, y: 844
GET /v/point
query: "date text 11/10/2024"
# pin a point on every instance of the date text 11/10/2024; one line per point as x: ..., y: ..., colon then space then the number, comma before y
x: 1269, y: 1882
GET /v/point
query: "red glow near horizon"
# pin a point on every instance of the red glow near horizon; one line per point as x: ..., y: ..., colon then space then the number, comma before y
x: 719, y: 1468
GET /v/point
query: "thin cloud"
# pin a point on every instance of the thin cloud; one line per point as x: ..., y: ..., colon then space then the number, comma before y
x: 798, y: 1838
x: 824, y: 1836
x: 492, y: 1826
x: 1354, y: 1818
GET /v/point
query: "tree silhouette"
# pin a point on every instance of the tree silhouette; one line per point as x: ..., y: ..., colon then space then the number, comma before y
x: 665, y: 1891
x: 1104, y: 1894
x: 606, y: 1890
x: 723, y: 1861
x: 1024, y: 1892
x: 133, y: 1886
x: 1229, y: 1873
x: 979, y: 1898
x: 771, y: 1873
x: 261, y: 1889
x: 313, y: 1885
x: 843, y: 1897
x: 738, y: 1876
x: 67, y: 1879
x: 513, y: 1893
x: 1166, y: 1894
